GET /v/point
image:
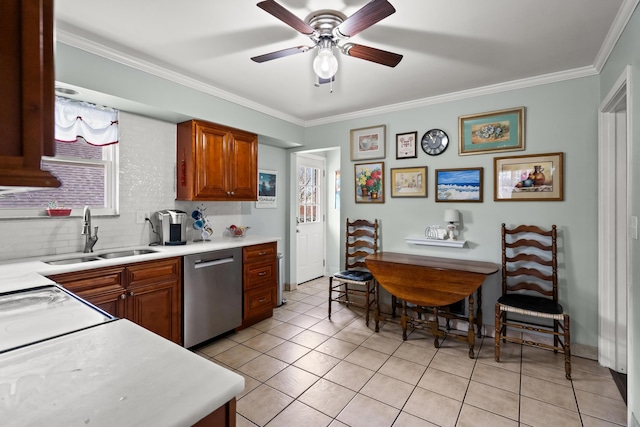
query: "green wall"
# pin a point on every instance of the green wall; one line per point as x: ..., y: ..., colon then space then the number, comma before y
x: 559, y: 117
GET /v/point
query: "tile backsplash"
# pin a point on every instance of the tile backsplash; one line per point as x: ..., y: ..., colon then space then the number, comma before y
x: 146, y: 183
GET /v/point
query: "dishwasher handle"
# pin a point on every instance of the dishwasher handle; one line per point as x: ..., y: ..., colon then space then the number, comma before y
x: 211, y: 263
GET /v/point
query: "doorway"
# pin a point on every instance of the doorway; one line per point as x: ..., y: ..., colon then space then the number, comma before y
x: 615, y: 225
x: 310, y: 217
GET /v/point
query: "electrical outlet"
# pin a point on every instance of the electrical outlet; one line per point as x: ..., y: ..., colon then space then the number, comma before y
x: 141, y: 217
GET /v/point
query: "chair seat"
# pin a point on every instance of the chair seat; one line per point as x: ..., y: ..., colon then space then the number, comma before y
x: 354, y: 275
x: 531, y: 303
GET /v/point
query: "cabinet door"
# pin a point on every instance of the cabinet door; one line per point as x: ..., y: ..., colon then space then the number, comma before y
x: 26, y: 85
x: 243, y: 177
x: 111, y: 302
x: 154, y: 296
x: 211, y: 163
x: 156, y: 307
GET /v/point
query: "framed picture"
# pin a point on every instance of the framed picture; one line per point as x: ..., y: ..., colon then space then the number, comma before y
x: 267, y: 189
x: 409, y: 182
x: 406, y: 146
x: 536, y: 177
x: 491, y: 132
x: 369, y: 182
x: 368, y: 143
x: 459, y: 185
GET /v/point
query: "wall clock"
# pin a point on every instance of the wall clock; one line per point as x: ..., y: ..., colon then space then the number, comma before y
x: 434, y: 142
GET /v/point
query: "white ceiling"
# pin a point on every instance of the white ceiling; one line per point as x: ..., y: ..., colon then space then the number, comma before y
x: 448, y: 47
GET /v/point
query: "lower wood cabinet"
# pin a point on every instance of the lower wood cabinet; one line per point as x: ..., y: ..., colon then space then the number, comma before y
x: 259, y: 281
x: 147, y: 293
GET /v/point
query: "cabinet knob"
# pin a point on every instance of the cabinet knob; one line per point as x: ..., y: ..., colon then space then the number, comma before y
x: 123, y: 296
x: 131, y: 294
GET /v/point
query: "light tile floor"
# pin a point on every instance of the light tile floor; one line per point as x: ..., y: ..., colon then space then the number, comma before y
x: 302, y: 369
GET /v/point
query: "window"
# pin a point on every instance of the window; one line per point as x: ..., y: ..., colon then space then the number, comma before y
x: 86, y: 163
x: 308, y: 195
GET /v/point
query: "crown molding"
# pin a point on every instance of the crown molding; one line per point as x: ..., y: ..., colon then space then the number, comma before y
x: 615, y: 31
x: 465, y: 94
x: 101, y: 50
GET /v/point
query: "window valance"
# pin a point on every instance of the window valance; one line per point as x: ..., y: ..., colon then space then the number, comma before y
x: 73, y: 119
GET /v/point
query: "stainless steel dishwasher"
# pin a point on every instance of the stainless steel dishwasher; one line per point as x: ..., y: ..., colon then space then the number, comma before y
x: 212, y: 294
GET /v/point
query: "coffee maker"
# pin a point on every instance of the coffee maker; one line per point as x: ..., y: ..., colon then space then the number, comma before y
x: 172, y: 227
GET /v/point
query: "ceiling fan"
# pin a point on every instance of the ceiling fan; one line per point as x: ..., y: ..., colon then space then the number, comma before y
x: 328, y: 29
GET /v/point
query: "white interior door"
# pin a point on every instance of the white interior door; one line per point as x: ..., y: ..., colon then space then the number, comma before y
x: 310, y: 233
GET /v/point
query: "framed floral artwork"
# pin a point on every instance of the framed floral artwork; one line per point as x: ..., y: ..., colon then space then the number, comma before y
x: 537, y: 177
x: 492, y: 132
x: 369, y: 184
x: 406, y: 146
x: 409, y: 182
x: 368, y: 143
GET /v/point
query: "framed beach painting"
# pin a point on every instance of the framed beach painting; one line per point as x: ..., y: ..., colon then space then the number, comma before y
x: 459, y: 185
x: 537, y: 177
x: 492, y: 132
x: 409, y: 182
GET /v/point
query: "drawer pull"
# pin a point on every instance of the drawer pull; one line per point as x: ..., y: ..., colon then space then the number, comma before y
x: 262, y: 300
x: 261, y: 253
x: 262, y: 273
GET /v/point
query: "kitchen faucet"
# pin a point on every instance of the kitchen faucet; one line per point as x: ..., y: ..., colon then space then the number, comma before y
x: 90, y: 240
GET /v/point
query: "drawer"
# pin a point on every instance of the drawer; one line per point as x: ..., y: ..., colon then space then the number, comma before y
x: 259, y: 300
x: 256, y: 275
x: 142, y: 273
x: 105, y: 280
x: 257, y: 253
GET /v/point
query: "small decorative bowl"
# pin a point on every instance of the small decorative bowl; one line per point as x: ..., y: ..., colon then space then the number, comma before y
x: 239, y: 231
x: 58, y: 211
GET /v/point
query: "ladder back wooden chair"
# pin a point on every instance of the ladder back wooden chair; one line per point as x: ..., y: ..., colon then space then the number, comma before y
x: 355, y: 285
x: 530, y: 292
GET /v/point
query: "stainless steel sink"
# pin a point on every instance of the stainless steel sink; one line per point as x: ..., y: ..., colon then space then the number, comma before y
x: 75, y: 260
x: 120, y: 254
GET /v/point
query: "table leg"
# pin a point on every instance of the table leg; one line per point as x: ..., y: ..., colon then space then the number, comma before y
x: 471, y: 335
x: 376, y: 312
x: 479, y: 315
x: 404, y: 320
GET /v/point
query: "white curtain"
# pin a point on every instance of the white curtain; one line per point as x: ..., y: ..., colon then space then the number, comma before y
x: 97, y: 125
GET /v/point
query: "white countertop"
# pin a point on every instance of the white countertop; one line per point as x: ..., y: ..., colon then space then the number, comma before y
x: 116, y: 374
x: 12, y: 272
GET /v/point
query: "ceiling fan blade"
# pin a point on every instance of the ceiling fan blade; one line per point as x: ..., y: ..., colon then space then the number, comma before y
x: 372, y: 54
x: 270, y: 6
x: 369, y: 14
x: 281, y: 53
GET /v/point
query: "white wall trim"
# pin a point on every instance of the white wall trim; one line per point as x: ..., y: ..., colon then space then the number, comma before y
x: 79, y: 42
x: 607, y: 344
x: 615, y: 31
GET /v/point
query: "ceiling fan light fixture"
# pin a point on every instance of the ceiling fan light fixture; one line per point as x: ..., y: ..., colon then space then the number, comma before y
x: 325, y: 64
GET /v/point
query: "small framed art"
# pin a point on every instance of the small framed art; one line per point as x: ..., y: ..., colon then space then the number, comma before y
x: 459, y: 185
x: 369, y: 183
x: 267, y: 189
x: 406, y: 146
x: 537, y: 177
x: 491, y: 132
x: 409, y: 182
x: 368, y: 143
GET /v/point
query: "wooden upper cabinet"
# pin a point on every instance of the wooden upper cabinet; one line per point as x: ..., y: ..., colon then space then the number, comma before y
x: 27, y: 88
x: 216, y: 163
